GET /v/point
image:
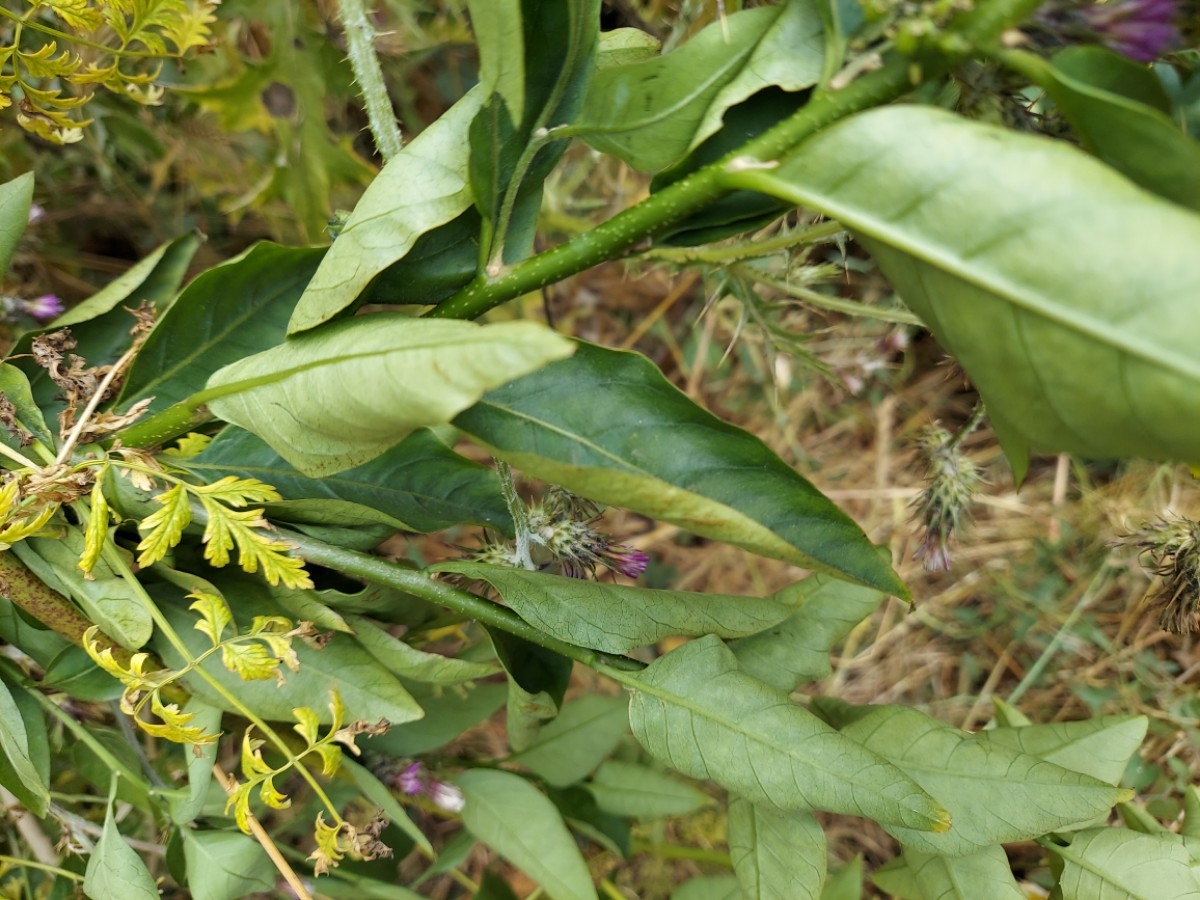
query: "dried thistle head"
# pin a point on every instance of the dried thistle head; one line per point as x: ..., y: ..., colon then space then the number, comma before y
x: 1170, y: 549
x: 944, y: 507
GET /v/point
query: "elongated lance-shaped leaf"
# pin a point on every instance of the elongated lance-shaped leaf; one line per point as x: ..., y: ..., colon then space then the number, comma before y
x: 1124, y: 865
x: 776, y: 855
x: 1098, y: 747
x: 638, y: 442
x: 695, y: 711
x: 25, y: 748
x: 994, y: 794
x: 638, y: 791
x: 114, y: 869
x: 615, y: 618
x: 423, y: 187
x: 1070, y: 303
x: 16, y: 199
x: 982, y: 875
x: 585, y: 732
x: 337, y: 398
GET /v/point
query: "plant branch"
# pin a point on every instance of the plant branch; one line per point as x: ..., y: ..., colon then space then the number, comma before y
x: 360, y: 44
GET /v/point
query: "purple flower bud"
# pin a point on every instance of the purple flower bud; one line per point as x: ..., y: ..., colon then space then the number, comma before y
x: 629, y: 561
x: 1140, y: 29
x: 43, y: 308
x: 411, y: 781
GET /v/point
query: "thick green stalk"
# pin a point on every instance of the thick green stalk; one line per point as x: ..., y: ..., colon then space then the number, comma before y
x: 381, y: 571
x: 360, y: 44
x: 982, y: 27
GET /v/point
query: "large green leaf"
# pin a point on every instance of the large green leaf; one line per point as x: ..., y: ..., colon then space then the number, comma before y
x: 577, y: 741
x: 776, y: 855
x: 615, y: 618
x: 982, y: 875
x: 695, y: 711
x: 231, y: 311
x: 797, y: 649
x: 537, y: 681
x: 650, y: 113
x: 1069, y: 303
x: 25, y: 766
x: 115, y: 870
x: 16, y: 199
x: 457, y: 710
x: 422, y: 188
x: 339, y: 397
x: 500, y: 36
x: 1097, y: 747
x: 225, y: 865
x: 14, y: 385
x: 1119, y: 109
x: 408, y: 662
x: 994, y: 794
x: 512, y: 817
x: 1123, y: 865
x: 418, y: 485
x: 629, y: 789
x: 607, y: 425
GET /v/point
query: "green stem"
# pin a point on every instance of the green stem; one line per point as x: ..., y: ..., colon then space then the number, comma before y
x: 516, y: 509
x: 980, y: 27
x: 835, y: 304
x: 360, y: 44
x: 676, y: 851
x: 41, y: 867
x: 381, y: 571
x: 717, y: 254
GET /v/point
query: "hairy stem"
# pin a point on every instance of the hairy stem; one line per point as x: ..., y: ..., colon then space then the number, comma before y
x: 360, y: 44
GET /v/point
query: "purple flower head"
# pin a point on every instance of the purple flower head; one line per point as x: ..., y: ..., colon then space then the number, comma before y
x: 1140, y: 29
x: 43, y: 308
x: 629, y: 561
x: 416, y: 782
x: 411, y: 780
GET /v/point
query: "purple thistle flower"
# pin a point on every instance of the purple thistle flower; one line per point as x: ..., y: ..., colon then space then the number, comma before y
x: 1140, y: 29
x: 629, y: 561
x: 43, y: 308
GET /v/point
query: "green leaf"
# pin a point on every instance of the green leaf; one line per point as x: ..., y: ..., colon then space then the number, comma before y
x: 1122, y: 865
x: 368, y: 691
x: 1069, y: 304
x: 494, y: 887
x: 641, y: 444
x: 982, y: 875
x: 231, y: 311
x: 25, y: 767
x: 115, y: 870
x: 15, y: 386
x: 537, y: 681
x: 379, y: 794
x: 896, y: 879
x: 650, y: 113
x: 339, y: 397
x: 407, y: 661
x: 1120, y: 112
x: 846, y: 882
x: 422, y: 188
x: 501, y: 40
x: 797, y: 650
x: 994, y: 795
x: 100, y: 323
x: 693, y: 710
x: 512, y: 817
x: 107, y: 599
x: 629, y: 789
x: 458, y: 709
x: 615, y: 618
x: 585, y: 817
x: 225, y: 865
x: 711, y: 887
x: 16, y: 198
x: 1191, y: 812
x: 1099, y: 747
x: 776, y: 854
x: 200, y: 759
x: 577, y: 741
x: 76, y: 674
x: 419, y: 485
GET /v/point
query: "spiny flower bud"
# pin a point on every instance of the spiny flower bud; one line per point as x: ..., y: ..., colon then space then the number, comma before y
x: 944, y: 506
x: 1170, y: 549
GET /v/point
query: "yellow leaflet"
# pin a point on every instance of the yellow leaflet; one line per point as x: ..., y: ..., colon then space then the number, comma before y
x: 97, y: 527
x: 188, y: 446
x: 238, y: 491
x: 214, y: 613
x: 164, y: 527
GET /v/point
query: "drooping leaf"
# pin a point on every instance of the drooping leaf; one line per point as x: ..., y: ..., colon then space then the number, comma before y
x: 15, y: 386
x: 339, y: 397
x: 423, y: 187
x: 231, y: 311
x: 650, y: 113
x: 1124, y: 865
x: 1068, y: 304
x: 640, y: 443
x: 709, y: 887
x: 797, y: 649
x: 569, y: 748
x: 637, y: 791
x: 615, y: 618
x: 225, y: 865
x: 419, y: 485
x: 1098, y: 747
x: 368, y: 691
x: 512, y: 817
x: 537, y: 681
x: 200, y: 759
x: 16, y: 198
x: 115, y: 870
x: 776, y: 855
x: 1120, y: 111
x: 695, y: 711
x: 25, y: 766
x: 994, y: 794
x: 407, y: 661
